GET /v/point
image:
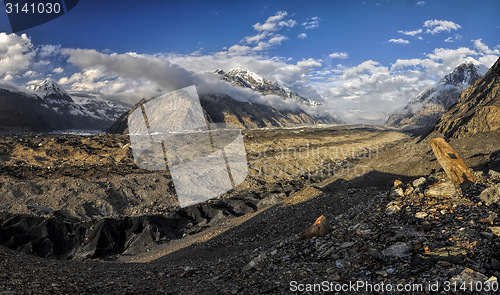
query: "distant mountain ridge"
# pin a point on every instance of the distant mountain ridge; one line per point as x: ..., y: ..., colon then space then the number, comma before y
x: 430, y: 104
x: 48, y: 107
x: 222, y: 108
x: 249, y: 79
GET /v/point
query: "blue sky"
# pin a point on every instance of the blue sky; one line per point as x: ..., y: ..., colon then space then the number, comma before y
x: 361, y: 59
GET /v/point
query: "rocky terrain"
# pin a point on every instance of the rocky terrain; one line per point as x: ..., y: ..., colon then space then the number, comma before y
x: 430, y: 104
x: 248, y: 241
x: 323, y: 209
x: 48, y: 107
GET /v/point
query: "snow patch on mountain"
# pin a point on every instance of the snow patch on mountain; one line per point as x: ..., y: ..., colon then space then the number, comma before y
x: 251, y: 80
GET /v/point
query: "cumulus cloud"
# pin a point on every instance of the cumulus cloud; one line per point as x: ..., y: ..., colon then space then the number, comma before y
x: 302, y: 35
x: 421, y: 3
x: 309, y: 63
x: 16, y: 53
x: 399, y: 41
x: 311, y: 23
x: 58, y: 70
x: 267, y: 38
x: 438, y: 26
x: 275, y: 23
x: 449, y: 39
x: 411, y: 33
x: 341, y: 55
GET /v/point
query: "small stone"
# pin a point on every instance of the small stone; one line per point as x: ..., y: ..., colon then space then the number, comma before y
x: 346, y: 245
x: 392, y: 208
x: 444, y: 263
x: 441, y: 189
x: 418, y: 182
x: 494, y: 174
x: 490, y: 195
x: 470, y: 278
x: 320, y: 228
x: 421, y: 215
x: 495, y: 264
x: 397, y: 183
x: 249, y: 266
x: 449, y: 254
x: 334, y: 277
x: 399, y: 249
x: 399, y: 192
x: 381, y: 273
x: 339, y: 264
x: 495, y: 230
x: 488, y: 218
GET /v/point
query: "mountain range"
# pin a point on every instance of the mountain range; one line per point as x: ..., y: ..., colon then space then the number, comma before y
x: 48, y: 107
x: 222, y: 108
x: 430, y: 104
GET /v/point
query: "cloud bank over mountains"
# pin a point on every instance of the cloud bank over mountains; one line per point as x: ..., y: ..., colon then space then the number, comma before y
x: 364, y: 93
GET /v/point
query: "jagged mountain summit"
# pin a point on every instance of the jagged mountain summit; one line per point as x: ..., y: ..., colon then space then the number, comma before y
x: 249, y: 79
x: 49, y: 89
x: 477, y: 109
x: 430, y: 104
x: 48, y: 107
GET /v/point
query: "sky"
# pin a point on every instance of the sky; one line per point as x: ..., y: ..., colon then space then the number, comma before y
x: 363, y: 60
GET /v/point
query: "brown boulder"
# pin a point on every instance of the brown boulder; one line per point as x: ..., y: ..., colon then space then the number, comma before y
x: 319, y: 229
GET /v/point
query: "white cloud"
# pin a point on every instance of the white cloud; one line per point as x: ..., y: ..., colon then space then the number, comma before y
x: 484, y: 48
x: 30, y: 73
x: 399, y: 41
x: 421, y: 3
x: 449, y: 39
x: 271, y: 43
x: 411, y: 33
x: 238, y: 50
x: 438, y: 26
x: 309, y: 63
x: 46, y: 50
x: 267, y: 38
x: 302, y: 35
x: 16, y: 53
x: 275, y: 23
x: 311, y: 23
x: 259, y: 37
x: 341, y: 55
x: 58, y: 70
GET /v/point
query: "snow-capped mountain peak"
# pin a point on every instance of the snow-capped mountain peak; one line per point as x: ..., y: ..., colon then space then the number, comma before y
x: 249, y: 79
x: 48, y: 87
x: 247, y: 75
x: 465, y: 74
